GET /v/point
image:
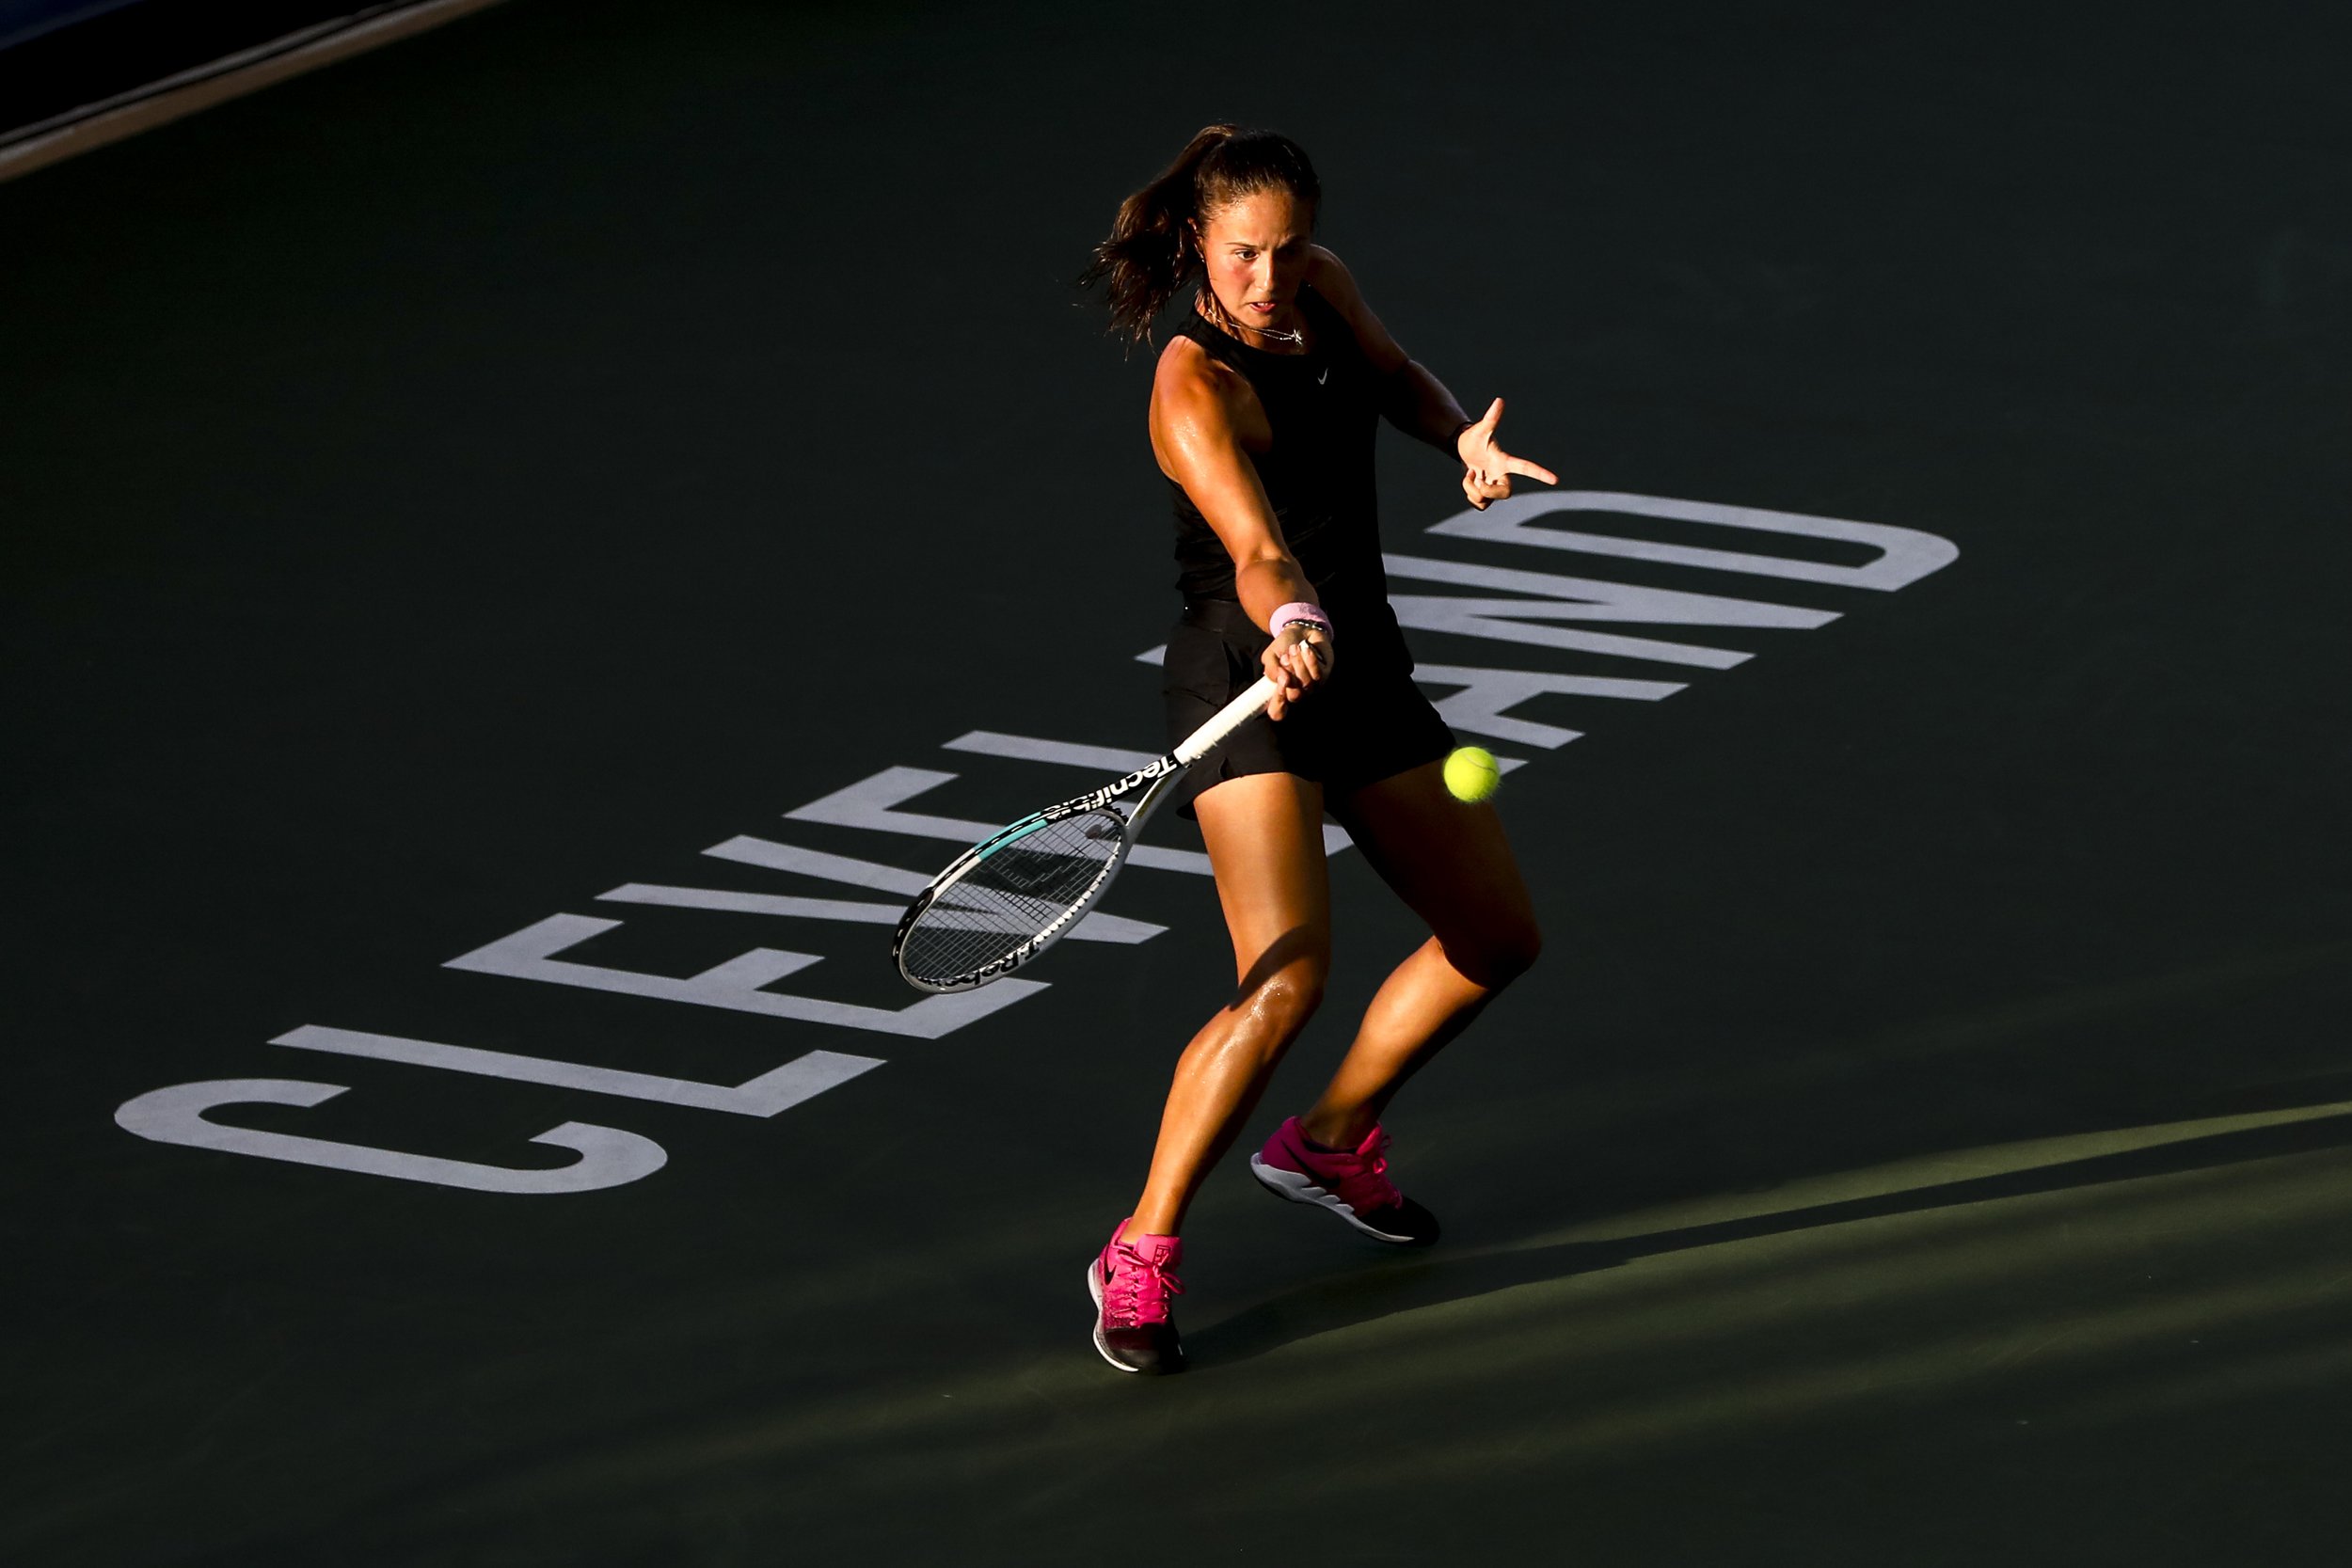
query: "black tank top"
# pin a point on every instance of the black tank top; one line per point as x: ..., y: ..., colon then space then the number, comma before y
x: 1323, y: 408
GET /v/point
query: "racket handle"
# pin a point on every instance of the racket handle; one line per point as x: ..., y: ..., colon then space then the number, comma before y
x: 1232, y: 716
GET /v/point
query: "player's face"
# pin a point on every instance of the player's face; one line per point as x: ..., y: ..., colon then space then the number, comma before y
x: 1255, y: 250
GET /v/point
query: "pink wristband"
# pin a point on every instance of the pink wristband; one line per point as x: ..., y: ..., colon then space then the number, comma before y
x: 1291, y: 614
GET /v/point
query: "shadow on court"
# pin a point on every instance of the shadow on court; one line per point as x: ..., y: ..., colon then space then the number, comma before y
x: 1412, y: 1283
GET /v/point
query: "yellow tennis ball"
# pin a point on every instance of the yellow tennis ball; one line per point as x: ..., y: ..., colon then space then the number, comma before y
x: 1470, y: 773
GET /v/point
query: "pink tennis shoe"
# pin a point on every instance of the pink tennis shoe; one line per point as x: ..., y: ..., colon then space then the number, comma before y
x: 1352, y: 1183
x: 1131, y: 1282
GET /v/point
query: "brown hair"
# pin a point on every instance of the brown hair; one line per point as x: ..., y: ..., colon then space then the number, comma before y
x: 1152, y: 251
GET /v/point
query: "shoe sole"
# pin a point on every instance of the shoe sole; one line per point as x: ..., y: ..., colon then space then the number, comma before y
x: 1299, y: 1188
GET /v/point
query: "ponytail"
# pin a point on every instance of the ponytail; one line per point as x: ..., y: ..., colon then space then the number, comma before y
x: 1152, y: 251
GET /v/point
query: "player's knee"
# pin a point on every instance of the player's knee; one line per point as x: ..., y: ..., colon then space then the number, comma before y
x: 1285, y: 999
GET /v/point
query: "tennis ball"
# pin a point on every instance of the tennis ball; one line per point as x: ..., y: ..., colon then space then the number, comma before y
x: 1470, y: 773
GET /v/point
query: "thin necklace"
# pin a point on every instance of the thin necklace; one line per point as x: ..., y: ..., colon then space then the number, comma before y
x: 1293, y: 337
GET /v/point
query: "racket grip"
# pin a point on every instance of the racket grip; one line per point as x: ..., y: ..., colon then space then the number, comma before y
x: 1232, y: 716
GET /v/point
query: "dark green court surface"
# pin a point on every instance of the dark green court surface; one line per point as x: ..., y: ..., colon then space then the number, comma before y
x: 454, y: 488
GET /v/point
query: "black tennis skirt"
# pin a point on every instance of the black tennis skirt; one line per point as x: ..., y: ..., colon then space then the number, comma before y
x: 1365, y: 722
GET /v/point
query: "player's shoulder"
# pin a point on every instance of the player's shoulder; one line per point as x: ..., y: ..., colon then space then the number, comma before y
x: 1189, y: 378
x: 1331, y: 278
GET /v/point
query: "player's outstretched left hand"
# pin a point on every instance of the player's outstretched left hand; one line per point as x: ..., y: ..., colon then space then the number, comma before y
x: 1487, y: 468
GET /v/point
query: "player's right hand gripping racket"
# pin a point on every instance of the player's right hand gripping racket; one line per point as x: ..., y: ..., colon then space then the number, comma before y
x: 1020, y: 889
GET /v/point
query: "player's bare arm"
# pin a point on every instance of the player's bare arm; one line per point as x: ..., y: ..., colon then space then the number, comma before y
x: 1419, y: 403
x: 1201, y: 419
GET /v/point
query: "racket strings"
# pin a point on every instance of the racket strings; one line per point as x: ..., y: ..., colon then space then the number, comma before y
x: 1014, y: 894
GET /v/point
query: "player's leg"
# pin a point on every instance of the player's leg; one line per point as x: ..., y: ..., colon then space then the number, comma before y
x: 1264, y: 832
x: 1264, y: 837
x: 1453, y: 866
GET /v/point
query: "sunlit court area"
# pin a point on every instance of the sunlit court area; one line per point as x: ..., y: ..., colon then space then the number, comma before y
x: 531, y: 533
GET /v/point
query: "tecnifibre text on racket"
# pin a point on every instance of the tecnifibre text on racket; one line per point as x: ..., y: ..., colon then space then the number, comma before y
x: 1020, y: 889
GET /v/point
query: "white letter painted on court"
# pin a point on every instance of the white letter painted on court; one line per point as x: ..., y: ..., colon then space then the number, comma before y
x: 608, y: 1156
x: 1905, y: 555
x: 1478, y: 707
x: 1097, y: 927
x: 736, y: 985
x: 778, y: 1089
x: 1591, y: 599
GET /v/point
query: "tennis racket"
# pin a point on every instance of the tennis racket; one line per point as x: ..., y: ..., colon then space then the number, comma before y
x: 1020, y: 889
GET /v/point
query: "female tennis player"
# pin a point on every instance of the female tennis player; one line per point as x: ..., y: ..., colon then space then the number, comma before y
x: 1263, y: 409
